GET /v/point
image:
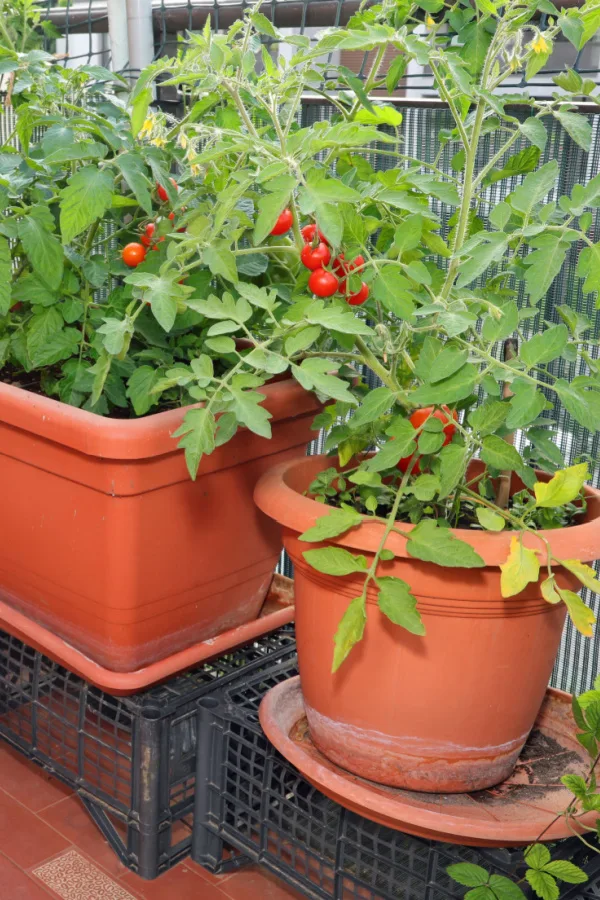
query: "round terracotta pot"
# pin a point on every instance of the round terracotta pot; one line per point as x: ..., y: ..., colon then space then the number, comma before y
x: 447, y: 712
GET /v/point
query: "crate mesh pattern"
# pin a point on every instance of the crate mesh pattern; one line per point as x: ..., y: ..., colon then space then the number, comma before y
x: 131, y: 759
x: 251, y: 799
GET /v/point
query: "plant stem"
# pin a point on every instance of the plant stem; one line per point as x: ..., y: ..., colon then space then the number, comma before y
x: 465, y: 207
x: 388, y: 379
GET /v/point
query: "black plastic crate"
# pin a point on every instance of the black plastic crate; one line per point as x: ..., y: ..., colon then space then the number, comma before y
x: 252, y: 805
x: 132, y: 760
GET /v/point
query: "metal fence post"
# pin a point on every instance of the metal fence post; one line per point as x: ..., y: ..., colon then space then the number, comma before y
x: 119, y: 35
x: 141, y: 34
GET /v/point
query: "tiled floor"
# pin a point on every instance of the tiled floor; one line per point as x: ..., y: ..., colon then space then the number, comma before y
x: 50, y: 848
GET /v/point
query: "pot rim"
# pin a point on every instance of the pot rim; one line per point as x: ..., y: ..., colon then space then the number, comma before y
x: 274, y: 496
x: 110, y: 438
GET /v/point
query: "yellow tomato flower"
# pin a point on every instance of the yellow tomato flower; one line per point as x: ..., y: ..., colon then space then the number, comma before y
x: 147, y: 126
x: 540, y: 45
x: 183, y: 141
x: 158, y: 142
x: 195, y: 169
x: 429, y: 21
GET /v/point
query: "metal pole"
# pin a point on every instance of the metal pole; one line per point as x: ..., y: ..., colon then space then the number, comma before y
x: 118, y: 31
x: 141, y: 35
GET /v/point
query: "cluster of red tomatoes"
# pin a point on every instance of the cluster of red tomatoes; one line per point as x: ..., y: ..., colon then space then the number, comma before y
x: 418, y: 418
x: 135, y: 253
x: 316, y: 255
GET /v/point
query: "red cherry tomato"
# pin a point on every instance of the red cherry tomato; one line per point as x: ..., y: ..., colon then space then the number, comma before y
x: 342, y: 267
x: 360, y: 297
x: 418, y: 418
x: 315, y: 257
x: 172, y: 216
x: 16, y: 306
x: 323, y: 283
x: 283, y: 223
x: 404, y: 464
x: 309, y: 231
x: 162, y: 192
x: 133, y: 254
x: 148, y: 234
x: 444, y: 415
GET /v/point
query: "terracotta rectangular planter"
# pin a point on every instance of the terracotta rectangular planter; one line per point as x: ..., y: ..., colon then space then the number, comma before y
x: 106, y: 540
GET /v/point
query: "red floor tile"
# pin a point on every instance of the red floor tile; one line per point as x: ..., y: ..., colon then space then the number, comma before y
x: 24, y: 838
x: 27, y: 782
x: 252, y: 883
x: 14, y: 883
x: 71, y: 819
x: 208, y: 876
x: 180, y: 883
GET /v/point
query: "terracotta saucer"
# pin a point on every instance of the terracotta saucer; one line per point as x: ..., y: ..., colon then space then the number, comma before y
x: 277, y: 610
x: 511, y: 814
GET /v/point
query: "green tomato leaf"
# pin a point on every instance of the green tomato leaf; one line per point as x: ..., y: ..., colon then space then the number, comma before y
x: 488, y: 417
x: 398, y: 603
x: 350, y: 630
x: 246, y: 405
x: 577, y: 127
x: 452, y: 467
x: 524, y: 407
x: 221, y: 261
x: 40, y: 330
x: 139, y: 389
x: 197, y: 433
x: 135, y: 174
x: 85, y: 199
x: 546, y: 346
x: 335, y: 561
x: 534, y: 189
x: 535, y: 132
x: 337, y: 522
x: 431, y: 543
x: 500, y: 454
x: 270, y: 206
x: 336, y: 317
x: 139, y: 110
x: 450, y: 360
x: 489, y: 520
x: 583, y: 405
x: 425, y: 487
x: 41, y: 246
x: 374, y: 405
x: 450, y: 390
x: 390, y: 287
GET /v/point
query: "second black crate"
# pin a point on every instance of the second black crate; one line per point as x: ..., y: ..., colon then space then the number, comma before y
x: 249, y: 798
